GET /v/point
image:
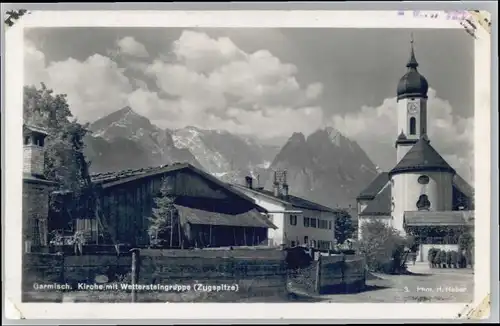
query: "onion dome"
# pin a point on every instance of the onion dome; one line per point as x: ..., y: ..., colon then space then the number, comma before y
x: 412, y: 84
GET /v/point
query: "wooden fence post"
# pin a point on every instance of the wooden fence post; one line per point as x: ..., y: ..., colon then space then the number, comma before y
x: 318, y: 276
x: 61, y: 261
x: 343, y: 272
x: 135, y: 271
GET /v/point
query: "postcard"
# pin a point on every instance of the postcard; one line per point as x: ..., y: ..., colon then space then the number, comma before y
x: 248, y: 162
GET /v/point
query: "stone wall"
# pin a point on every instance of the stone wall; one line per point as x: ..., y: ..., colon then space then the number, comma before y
x: 33, y: 159
x: 35, y: 206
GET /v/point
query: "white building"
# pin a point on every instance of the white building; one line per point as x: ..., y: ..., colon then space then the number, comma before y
x: 422, y: 189
x: 299, y: 221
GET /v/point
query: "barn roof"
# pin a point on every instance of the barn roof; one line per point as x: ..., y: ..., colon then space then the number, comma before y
x: 33, y: 128
x: 251, y: 218
x: 30, y: 178
x: 436, y: 218
x: 375, y: 186
x: 111, y: 179
x: 294, y: 201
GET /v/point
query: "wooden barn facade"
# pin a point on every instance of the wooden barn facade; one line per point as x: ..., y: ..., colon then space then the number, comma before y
x: 209, y: 211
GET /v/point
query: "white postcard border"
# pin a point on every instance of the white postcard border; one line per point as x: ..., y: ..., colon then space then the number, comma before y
x: 251, y: 18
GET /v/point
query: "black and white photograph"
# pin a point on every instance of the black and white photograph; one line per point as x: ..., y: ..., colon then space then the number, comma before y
x: 248, y: 165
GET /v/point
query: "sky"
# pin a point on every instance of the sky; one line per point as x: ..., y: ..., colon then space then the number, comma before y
x: 264, y: 83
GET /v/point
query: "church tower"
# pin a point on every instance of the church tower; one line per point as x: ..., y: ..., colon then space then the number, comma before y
x: 412, y: 107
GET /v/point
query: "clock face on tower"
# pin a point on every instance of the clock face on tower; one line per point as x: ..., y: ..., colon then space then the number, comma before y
x: 412, y: 108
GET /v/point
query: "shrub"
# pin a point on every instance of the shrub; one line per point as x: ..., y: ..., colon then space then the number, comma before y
x: 442, y: 258
x: 437, y: 258
x: 466, y: 241
x: 383, y: 247
x: 454, y: 259
x: 461, y: 260
x: 343, y: 227
x: 448, y: 259
x: 431, y: 257
x: 468, y: 259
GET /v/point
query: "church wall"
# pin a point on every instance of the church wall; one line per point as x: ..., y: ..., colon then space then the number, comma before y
x: 406, y: 191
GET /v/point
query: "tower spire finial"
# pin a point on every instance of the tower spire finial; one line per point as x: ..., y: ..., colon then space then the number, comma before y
x: 412, y: 63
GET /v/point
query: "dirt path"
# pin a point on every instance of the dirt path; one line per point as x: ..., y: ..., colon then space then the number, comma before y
x: 425, y: 285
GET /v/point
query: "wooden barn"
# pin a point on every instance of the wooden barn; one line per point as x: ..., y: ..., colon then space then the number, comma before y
x: 211, y: 214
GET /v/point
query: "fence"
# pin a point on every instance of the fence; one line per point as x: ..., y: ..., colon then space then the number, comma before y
x: 330, y: 274
x: 166, y: 275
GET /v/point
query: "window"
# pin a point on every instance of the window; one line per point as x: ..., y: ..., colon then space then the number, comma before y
x: 313, y: 222
x: 423, y: 180
x: 413, y: 126
x: 325, y: 245
x: 313, y: 244
x: 26, y: 140
x: 306, y: 240
x: 423, y: 203
x: 35, y: 231
x: 39, y: 141
x: 293, y: 219
x: 330, y: 225
x: 293, y: 243
x: 307, y: 221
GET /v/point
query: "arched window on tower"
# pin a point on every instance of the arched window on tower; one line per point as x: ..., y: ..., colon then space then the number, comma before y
x: 423, y: 203
x: 413, y: 126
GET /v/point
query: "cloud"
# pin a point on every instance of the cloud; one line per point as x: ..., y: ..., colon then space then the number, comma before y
x: 205, y: 82
x: 219, y: 86
x: 375, y: 129
x: 95, y: 86
x: 129, y: 46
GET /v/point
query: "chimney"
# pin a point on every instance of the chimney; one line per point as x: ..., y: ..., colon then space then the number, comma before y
x: 276, y: 185
x: 259, y: 187
x: 284, y: 190
x: 248, y: 182
x: 33, y: 151
x: 284, y: 186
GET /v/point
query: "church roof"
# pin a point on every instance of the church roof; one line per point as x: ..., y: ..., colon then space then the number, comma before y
x: 422, y: 157
x: 434, y: 218
x: 412, y: 84
x: 381, y: 205
x: 374, y: 187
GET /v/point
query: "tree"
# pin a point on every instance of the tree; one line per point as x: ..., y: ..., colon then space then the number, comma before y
x: 466, y: 245
x: 343, y: 227
x: 384, y: 249
x: 65, y: 161
x: 162, y: 225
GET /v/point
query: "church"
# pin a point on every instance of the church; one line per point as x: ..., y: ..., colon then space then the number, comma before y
x: 422, y: 195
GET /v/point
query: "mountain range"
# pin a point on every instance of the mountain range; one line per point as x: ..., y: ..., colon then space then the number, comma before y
x: 325, y: 167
